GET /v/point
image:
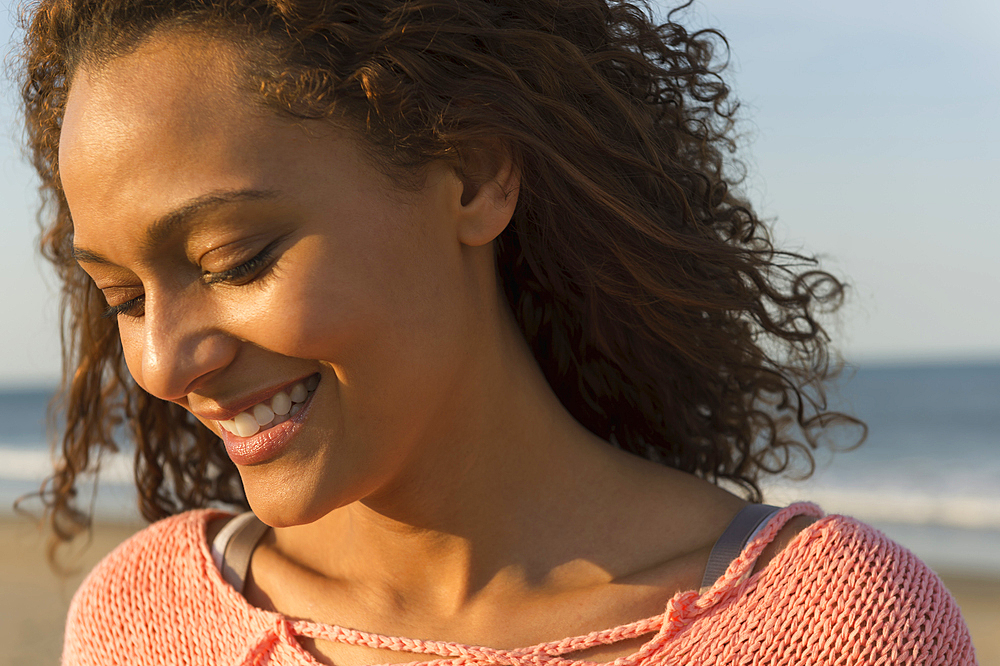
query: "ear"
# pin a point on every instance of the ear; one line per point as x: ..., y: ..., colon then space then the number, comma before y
x: 490, y: 184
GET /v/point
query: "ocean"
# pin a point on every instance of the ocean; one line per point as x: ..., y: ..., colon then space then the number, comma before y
x: 928, y: 475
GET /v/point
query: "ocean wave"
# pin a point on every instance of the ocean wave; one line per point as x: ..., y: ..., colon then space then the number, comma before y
x: 893, y: 505
x: 949, y: 505
x: 21, y: 464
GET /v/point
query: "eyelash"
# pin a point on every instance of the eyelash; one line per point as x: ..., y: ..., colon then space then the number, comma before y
x: 247, y: 268
x: 127, y: 308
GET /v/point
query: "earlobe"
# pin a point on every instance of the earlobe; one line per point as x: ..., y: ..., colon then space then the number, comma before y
x: 490, y: 185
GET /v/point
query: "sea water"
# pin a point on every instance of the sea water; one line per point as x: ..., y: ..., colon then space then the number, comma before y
x: 928, y: 475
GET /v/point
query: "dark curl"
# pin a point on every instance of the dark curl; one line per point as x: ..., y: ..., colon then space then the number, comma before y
x: 649, y: 291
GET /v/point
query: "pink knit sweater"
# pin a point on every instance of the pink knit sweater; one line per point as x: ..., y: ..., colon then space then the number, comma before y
x: 840, y: 593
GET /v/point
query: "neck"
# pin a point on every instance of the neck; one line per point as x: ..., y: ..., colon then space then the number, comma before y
x: 497, y: 493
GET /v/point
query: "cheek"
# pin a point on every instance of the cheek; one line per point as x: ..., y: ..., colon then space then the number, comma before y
x: 351, y: 328
x: 314, y: 328
x: 385, y: 299
x: 131, y: 349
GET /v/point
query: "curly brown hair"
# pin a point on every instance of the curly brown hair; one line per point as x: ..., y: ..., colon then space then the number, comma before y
x: 649, y: 291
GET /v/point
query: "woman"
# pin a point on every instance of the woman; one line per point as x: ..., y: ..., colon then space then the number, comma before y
x: 457, y: 297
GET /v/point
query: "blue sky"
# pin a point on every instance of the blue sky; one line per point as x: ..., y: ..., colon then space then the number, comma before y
x: 874, y: 141
x: 872, y: 134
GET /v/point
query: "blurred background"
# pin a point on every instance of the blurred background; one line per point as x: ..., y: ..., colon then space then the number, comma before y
x: 871, y: 137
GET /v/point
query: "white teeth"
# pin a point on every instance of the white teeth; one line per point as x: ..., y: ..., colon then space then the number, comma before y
x: 263, y: 414
x: 284, y: 405
x: 281, y: 403
x: 246, y: 424
x: 298, y: 393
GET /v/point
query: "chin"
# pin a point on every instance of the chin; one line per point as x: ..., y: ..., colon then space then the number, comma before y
x: 281, y: 500
x: 288, y: 513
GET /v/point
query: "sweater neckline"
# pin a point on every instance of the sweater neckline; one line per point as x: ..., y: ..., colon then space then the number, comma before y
x: 680, y: 610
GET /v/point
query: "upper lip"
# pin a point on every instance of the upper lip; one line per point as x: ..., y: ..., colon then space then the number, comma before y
x: 229, y: 409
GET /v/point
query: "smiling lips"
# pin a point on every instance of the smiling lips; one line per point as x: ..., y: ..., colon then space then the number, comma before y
x: 268, y: 413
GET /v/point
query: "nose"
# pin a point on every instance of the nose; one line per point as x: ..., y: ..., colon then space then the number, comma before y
x: 183, y: 346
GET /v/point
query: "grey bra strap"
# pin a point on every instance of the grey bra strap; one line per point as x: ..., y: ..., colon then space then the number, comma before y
x: 741, y: 530
x: 233, y: 546
x: 235, y: 543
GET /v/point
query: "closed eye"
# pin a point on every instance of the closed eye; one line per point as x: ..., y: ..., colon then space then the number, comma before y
x: 130, y: 308
x: 240, y: 274
x: 247, y: 269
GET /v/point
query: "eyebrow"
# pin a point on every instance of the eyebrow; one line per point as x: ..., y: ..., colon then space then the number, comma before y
x: 166, y: 225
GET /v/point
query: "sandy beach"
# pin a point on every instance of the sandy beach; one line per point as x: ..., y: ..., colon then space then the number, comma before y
x: 34, y: 601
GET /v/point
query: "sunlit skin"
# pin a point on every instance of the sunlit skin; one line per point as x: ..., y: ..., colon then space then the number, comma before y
x: 437, y: 488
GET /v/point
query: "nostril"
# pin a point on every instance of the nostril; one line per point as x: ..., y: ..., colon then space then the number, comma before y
x: 181, y: 352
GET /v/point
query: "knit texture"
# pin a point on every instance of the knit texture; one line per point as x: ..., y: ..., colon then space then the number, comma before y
x: 840, y: 593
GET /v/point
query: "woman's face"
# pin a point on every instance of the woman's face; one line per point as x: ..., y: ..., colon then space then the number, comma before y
x: 244, y: 254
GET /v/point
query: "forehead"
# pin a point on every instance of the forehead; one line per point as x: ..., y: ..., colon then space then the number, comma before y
x: 160, y: 125
x: 171, y: 81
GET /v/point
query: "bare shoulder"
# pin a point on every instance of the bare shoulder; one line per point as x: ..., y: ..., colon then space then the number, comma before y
x: 709, y: 509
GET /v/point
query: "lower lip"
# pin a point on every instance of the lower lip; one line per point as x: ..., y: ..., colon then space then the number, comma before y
x: 266, y: 444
